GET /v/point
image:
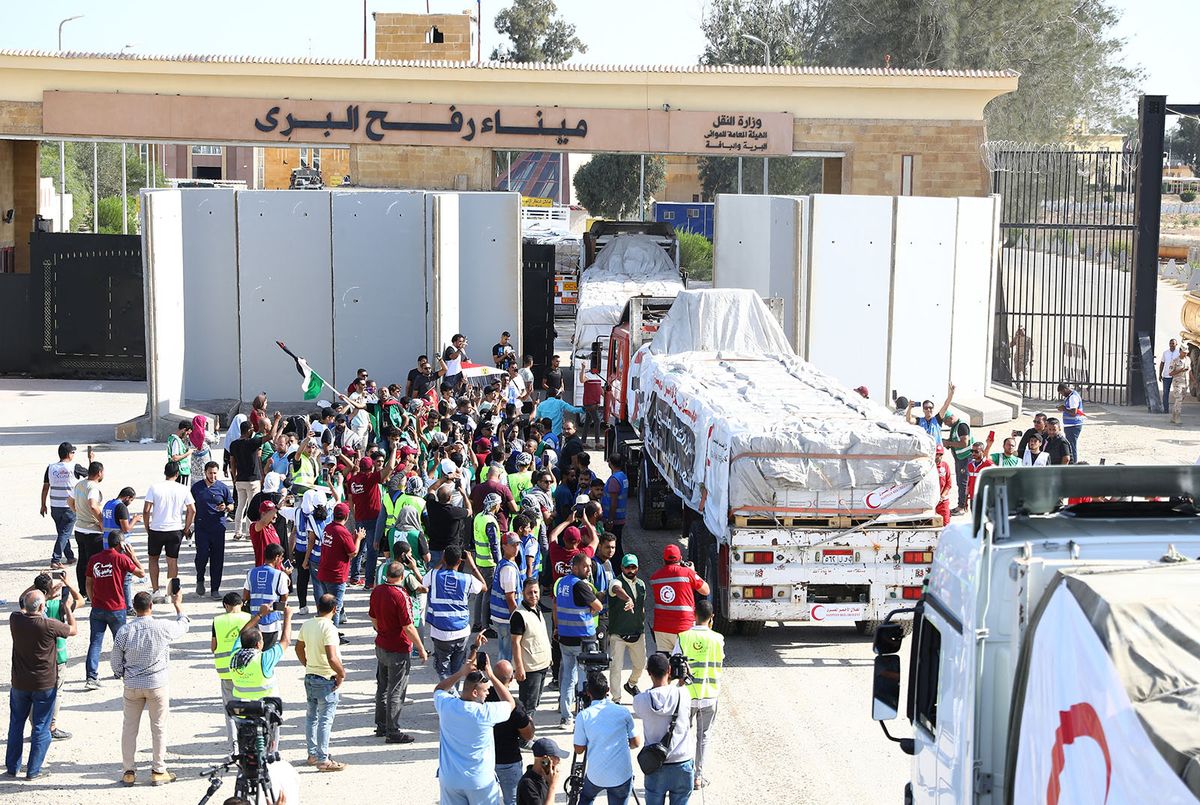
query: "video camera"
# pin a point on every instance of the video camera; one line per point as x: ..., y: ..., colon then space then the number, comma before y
x: 591, y: 657
x: 680, y: 669
x: 258, y: 723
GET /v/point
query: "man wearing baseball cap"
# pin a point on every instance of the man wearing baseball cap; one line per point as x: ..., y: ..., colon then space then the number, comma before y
x: 262, y: 531
x: 541, y: 778
x: 506, y: 592
x: 674, y: 586
x: 338, y: 545
x: 627, y: 631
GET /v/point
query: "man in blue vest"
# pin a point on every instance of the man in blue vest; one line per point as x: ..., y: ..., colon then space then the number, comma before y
x: 616, y: 493
x: 268, y: 584
x: 116, y: 516
x: 575, y: 605
x: 506, y: 592
x: 447, y: 611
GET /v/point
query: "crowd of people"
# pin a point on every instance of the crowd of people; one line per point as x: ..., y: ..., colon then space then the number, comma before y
x: 469, y: 514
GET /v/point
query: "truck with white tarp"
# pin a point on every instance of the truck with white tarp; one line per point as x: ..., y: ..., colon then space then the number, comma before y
x: 626, y: 263
x: 802, y: 500
x: 1055, y: 653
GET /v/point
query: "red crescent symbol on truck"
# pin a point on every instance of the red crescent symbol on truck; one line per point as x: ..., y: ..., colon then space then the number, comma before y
x: 1081, y: 721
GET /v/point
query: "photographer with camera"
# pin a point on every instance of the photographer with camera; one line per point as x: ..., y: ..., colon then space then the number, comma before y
x: 448, y: 616
x: 466, y: 748
x: 252, y: 666
x: 537, y: 786
x: 604, y: 734
x: 665, y: 711
x: 140, y: 656
x: 704, y: 649
x: 575, y: 607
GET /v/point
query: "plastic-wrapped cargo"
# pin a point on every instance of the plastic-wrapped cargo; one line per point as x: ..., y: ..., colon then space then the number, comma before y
x: 742, y: 427
x: 630, y: 265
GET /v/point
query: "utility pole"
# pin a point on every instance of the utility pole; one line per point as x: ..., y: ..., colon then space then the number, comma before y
x: 62, y: 151
x: 364, y: 30
x: 767, y: 64
x: 124, y: 190
x: 642, y: 190
x: 95, y: 188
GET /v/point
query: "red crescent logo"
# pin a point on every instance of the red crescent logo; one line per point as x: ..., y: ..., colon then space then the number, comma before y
x: 817, y: 613
x: 1081, y: 721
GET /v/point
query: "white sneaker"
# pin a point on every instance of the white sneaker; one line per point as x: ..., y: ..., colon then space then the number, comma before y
x: 302, y: 610
x: 158, y: 598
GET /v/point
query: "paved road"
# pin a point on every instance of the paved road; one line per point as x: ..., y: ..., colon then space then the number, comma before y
x: 793, y: 724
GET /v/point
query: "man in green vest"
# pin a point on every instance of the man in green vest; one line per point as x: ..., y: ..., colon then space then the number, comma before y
x: 225, y: 630
x: 487, y: 550
x: 403, y: 513
x: 522, y: 479
x: 705, y: 651
x: 252, y: 669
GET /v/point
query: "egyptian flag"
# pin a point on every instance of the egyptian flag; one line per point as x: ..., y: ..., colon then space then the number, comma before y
x: 311, y: 383
x: 478, y: 370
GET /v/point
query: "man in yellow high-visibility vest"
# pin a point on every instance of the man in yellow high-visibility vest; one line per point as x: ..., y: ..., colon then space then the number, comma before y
x: 705, y: 651
x: 225, y: 630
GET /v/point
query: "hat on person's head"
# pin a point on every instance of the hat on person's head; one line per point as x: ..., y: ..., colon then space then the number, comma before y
x: 407, y: 450
x: 414, y: 406
x: 491, y: 500
x: 671, y: 554
x: 581, y: 499
x: 413, y: 486
x: 950, y: 414
x: 341, y: 511
x: 524, y: 459
x: 511, y: 538
x: 448, y: 466
x: 266, y: 506
x: 438, y: 437
x: 629, y: 560
x: 272, y: 482
x: 367, y: 464
x: 66, y: 448
x: 545, y: 747
x: 328, y: 460
x: 941, y: 449
x: 864, y: 391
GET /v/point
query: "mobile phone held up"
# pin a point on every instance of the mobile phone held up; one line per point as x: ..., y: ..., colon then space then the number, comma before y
x: 175, y: 586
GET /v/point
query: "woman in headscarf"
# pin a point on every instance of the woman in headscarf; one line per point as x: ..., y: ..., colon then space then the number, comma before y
x: 235, y: 430
x: 200, y: 440
x: 260, y: 422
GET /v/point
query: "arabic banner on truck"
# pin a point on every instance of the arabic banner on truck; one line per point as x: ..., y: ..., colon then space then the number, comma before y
x: 1080, y: 739
x: 186, y: 118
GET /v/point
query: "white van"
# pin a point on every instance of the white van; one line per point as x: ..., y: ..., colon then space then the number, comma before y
x: 1055, y: 653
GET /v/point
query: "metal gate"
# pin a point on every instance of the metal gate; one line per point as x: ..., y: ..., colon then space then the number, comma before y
x: 537, y: 304
x: 1065, y: 279
x: 90, y: 321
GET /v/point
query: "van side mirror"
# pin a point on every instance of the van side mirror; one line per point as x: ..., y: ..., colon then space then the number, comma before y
x: 889, y: 637
x: 885, y: 704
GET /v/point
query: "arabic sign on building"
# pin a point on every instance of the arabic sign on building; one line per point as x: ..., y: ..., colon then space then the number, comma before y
x: 185, y: 118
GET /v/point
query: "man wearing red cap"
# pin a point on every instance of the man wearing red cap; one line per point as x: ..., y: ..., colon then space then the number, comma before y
x: 945, y: 485
x: 367, y: 500
x: 262, y: 531
x: 673, y: 587
x: 338, y: 545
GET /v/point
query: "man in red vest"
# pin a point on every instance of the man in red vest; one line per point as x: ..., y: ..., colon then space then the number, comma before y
x: 673, y: 587
x: 593, y: 398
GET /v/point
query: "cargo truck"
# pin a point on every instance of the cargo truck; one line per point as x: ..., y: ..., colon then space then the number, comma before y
x: 801, y: 501
x: 1055, y: 650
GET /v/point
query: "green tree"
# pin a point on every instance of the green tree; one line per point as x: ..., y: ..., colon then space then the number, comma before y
x: 108, y: 175
x: 110, y: 214
x: 607, y: 185
x: 695, y: 254
x: 1183, y: 143
x: 536, y: 33
x: 786, y: 176
x: 1069, y: 58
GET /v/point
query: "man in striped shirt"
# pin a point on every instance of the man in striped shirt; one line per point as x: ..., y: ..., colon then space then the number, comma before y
x: 57, y: 484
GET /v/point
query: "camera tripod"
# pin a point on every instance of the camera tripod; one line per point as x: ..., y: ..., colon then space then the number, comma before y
x: 247, y: 789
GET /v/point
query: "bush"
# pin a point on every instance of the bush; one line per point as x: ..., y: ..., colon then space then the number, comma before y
x: 109, y: 214
x: 1187, y: 196
x: 695, y: 255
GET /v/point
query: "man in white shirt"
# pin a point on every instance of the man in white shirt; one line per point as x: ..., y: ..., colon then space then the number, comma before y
x: 168, y: 514
x: 1164, y: 369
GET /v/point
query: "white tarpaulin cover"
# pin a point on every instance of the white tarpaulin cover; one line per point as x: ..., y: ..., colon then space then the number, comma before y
x: 630, y: 265
x: 740, y: 425
x: 1111, y: 709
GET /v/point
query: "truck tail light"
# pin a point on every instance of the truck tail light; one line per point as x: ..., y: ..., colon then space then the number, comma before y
x: 758, y: 557
x: 912, y: 593
x: 758, y: 593
x: 918, y: 557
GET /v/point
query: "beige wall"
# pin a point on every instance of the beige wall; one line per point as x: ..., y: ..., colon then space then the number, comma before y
x: 404, y: 36
x: 6, y: 191
x: 412, y: 166
x: 683, y: 179
x: 946, y: 157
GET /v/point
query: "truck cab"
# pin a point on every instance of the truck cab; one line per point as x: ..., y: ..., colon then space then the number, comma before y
x: 1000, y: 681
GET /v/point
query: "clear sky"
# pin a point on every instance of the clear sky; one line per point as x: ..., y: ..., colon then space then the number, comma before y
x: 616, y: 31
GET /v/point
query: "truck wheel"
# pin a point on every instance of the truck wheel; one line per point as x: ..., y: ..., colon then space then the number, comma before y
x: 752, y: 628
x: 720, y: 622
x: 648, y: 518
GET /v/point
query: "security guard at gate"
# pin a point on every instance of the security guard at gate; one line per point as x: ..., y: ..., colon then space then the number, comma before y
x: 225, y: 630
x: 705, y: 651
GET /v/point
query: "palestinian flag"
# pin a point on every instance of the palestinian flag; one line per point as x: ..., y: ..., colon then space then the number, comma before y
x: 311, y: 383
x: 479, y: 370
